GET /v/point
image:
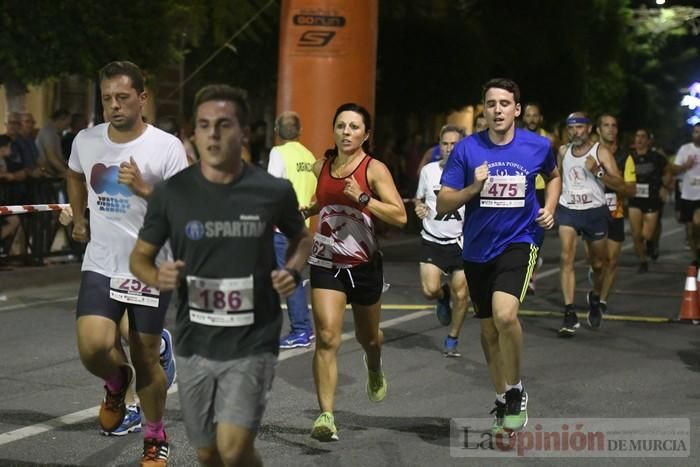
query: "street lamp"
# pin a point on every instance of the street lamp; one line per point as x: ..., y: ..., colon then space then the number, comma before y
x: 660, y: 2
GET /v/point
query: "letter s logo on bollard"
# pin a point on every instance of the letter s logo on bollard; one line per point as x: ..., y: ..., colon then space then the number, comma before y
x: 316, y: 38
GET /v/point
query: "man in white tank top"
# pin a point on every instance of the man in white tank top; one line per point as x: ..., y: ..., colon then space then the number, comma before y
x: 586, y: 169
x: 441, y: 250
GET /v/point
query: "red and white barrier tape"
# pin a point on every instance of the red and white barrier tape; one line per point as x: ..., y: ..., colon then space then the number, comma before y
x: 26, y: 208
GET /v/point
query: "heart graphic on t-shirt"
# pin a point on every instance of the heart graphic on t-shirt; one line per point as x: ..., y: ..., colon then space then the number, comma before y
x: 103, y: 179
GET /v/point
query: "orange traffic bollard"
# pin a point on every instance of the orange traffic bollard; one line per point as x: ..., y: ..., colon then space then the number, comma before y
x: 689, y: 305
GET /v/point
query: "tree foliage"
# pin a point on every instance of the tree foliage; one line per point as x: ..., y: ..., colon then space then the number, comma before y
x: 241, y: 39
x: 561, y: 52
x: 662, y: 57
x: 592, y: 55
x: 433, y: 55
x: 55, y: 38
x: 52, y: 38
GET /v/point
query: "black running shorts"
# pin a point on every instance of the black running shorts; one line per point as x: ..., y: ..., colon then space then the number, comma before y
x: 509, y: 272
x: 448, y: 258
x: 646, y: 205
x: 616, y: 229
x: 94, y: 299
x: 688, y: 208
x: 591, y: 224
x: 361, y: 284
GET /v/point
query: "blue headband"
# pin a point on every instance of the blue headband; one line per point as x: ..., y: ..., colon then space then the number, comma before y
x: 575, y: 120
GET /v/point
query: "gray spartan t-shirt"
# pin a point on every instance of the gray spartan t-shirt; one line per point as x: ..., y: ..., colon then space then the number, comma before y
x: 227, y: 307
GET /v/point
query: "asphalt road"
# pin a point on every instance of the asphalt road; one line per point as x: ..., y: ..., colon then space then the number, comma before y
x: 629, y: 369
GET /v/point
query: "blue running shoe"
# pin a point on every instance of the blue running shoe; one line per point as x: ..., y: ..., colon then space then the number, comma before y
x: 130, y: 424
x: 450, y: 347
x: 297, y: 339
x: 443, y: 309
x: 167, y: 358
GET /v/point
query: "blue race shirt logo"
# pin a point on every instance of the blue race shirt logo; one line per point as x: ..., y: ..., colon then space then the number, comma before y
x: 112, y: 197
x: 194, y: 230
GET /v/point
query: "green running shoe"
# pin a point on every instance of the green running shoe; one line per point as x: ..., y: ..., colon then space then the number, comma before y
x: 516, y: 410
x: 376, y: 383
x: 499, y: 413
x: 324, y: 428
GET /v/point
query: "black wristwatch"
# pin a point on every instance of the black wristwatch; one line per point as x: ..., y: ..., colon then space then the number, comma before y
x: 363, y: 199
x: 295, y: 274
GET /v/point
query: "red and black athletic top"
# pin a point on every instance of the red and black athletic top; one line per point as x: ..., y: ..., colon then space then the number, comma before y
x: 345, y: 236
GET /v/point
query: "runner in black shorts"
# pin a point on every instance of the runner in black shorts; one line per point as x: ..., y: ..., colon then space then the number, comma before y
x: 587, y: 168
x: 652, y: 175
x: 687, y: 163
x: 607, y: 130
x: 353, y: 189
x: 441, y: 249
x: 492, y: 174
x: 112, y: 170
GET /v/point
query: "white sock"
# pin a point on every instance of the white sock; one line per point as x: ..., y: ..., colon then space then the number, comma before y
x: 501, y: 398
x: 518, y: 386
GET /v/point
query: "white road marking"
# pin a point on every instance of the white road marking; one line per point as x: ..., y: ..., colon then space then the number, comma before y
x: 26, y: 432
x: 82, y: 415
x: 35, y: 303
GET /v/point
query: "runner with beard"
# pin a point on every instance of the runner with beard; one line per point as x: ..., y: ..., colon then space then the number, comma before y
x: 587, y: 168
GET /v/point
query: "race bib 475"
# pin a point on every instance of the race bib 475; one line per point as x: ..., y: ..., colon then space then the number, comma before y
x: 503, y: 191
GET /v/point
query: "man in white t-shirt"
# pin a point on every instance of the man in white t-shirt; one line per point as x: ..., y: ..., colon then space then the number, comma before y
x: 441, y: 251
x: 121, y: 161
x: 687, y: 163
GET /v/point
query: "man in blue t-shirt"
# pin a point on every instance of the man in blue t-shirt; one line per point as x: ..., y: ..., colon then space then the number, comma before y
x: 492, y: 173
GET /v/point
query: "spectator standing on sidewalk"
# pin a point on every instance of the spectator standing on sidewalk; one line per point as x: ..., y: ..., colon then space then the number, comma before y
x: 291, y: 160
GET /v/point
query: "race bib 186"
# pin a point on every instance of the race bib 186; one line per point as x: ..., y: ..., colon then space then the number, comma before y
x: 503, y: 191
x: 228, y: 302
x: 133, y: 291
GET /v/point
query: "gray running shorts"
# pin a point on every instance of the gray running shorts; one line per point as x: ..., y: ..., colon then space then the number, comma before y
x: 228, y: 391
